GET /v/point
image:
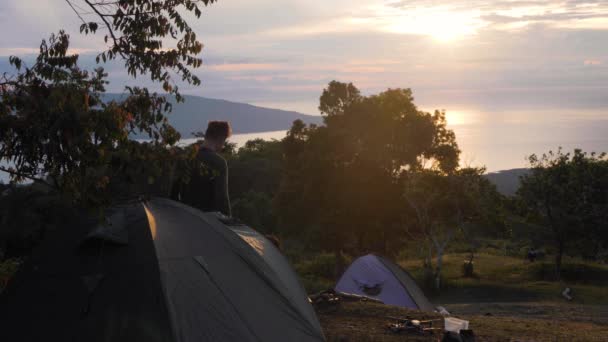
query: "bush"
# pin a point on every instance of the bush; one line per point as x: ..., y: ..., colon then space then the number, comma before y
x: 26, y: 213
x: 7, y: 269
x: 255, y: 209
x: 468, y: 270
x: 317, y: 273
x: 322, y: 265
x: 582, y: 273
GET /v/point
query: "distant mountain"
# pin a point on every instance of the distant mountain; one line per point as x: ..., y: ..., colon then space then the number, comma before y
x: 507, y: 181
x: 194, y: 114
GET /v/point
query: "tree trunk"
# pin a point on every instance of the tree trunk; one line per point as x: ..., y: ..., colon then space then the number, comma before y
x: 558, y: 259
x: 339, y: 267
x: 438, y: 269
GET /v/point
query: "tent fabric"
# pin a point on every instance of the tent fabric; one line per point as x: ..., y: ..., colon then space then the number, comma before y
x: 381, y: 279
x: 243, y: 289
x: 183, y: 276
x: 54, y: 296
x: 409, y: 284
x: 275, y: 259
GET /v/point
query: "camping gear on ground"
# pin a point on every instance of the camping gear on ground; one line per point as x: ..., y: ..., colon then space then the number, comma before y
x: 325, y: 301
x: 455, y: 324
x: 463, y: 336
x: 457, y: 330
x: 443, y: 311
x: 329, y: 300
x: 413, y: 326
x: 376, y: 277
x: 169, y: 273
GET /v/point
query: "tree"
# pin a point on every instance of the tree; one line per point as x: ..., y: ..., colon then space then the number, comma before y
x: 341, y: 178
x: 54, y: 126
x: 337, y: 97
x: 568, y: 193
x: 255, y: 173
x: 137, y: 31
x: 445, y: 205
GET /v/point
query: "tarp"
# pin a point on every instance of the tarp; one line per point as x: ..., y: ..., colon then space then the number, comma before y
x: 381, y: 279
x: 181, y: 276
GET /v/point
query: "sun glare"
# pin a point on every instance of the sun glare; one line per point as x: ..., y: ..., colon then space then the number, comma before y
x: 441, y: 26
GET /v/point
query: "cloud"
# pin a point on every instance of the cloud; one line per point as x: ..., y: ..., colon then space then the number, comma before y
x: 239, y: 67
x: 593, y: 62
x: 509, y: 53
x: 502, y: 14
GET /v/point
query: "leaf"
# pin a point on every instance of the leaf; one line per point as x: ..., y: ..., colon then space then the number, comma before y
x: 93, y: 26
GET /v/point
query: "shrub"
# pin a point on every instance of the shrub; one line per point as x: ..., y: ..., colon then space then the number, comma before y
x: 7, y: 270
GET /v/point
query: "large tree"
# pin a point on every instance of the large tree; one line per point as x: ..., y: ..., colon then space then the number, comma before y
x: 568, y: 193
x: 341, y: 178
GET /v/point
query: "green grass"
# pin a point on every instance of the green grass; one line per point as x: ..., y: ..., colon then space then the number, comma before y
x: 508, y: 279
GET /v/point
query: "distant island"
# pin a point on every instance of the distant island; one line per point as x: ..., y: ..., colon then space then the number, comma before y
x: 194, y: 114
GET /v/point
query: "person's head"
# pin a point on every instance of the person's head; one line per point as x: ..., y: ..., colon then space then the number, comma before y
x: 216, y: 134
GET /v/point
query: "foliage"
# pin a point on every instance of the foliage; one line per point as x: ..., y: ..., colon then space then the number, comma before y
x: 137, y: 32
x: 255, y: 173
x: 568, y: 193
x: 341, y: 178
x: 255, y: 209
x: 439, y: 206
x: 54, y: 126
x: 318, y: 272
x: 7, y: 269
x: 257, y: 166
x: 26, y: 214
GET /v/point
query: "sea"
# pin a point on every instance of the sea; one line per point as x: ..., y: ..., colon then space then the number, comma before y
x: 502, y: 140
x: 505, y: 140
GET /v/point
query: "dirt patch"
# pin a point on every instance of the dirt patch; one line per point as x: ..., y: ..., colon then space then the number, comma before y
x: 595, y: 314
x: 365, y: 321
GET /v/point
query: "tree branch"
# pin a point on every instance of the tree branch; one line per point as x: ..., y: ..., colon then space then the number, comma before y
x: 109, y: 27
x: 75, y: 11
x: 39, y: 180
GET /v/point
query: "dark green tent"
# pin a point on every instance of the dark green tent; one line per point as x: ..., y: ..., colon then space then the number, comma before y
x: 159, y: 271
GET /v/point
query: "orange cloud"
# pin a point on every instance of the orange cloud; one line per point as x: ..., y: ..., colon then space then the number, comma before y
x: 593, y: 62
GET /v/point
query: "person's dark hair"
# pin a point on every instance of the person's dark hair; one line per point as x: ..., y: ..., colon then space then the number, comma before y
x: 218, y: 130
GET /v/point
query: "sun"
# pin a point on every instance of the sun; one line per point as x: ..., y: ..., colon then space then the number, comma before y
x: 441, y: 26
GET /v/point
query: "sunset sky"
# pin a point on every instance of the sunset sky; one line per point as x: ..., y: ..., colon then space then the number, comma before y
x: 516, y: 77
x: 452, y: 53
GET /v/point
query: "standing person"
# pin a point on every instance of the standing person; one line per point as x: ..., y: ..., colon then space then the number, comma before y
x: 208, y: 190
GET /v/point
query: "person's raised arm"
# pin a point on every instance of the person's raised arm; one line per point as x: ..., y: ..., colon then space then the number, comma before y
x: 222, y: 198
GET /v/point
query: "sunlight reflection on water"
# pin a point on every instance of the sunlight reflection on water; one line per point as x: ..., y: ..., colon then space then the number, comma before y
x: 502, y: 140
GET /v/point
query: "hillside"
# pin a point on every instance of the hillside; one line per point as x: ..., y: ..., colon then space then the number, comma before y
x: 507, y: 181
x: 196, y: 111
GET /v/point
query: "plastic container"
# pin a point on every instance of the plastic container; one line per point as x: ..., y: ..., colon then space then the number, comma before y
x: 455, y: 324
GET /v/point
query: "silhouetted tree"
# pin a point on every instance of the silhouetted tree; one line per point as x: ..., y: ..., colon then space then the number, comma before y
x: 54, y: 126
x: 255, y: 174
x: 341, y: 178
x: 568, y: 193
x: 445, y: 205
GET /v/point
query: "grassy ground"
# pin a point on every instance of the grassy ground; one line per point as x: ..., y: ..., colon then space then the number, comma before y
x: 507, y: 279
x: 509, y: 299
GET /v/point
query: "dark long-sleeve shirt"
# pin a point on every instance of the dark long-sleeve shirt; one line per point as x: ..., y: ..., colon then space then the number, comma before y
x: 207, y: 190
